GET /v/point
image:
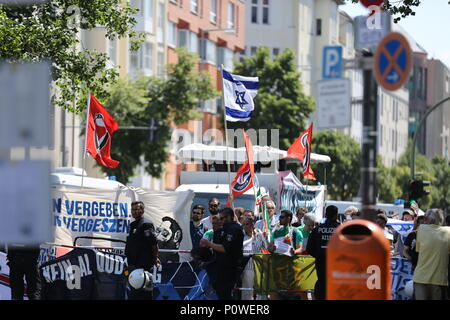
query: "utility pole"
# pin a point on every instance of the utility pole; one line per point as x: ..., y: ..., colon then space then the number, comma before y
x: 370, y: 138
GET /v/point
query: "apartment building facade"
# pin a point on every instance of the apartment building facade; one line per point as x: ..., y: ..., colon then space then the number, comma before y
x: 215, y: 30
x: 438, y: 122
x: 307, y: 27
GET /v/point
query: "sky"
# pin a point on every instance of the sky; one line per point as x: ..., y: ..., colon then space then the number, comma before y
x: 430, y: 27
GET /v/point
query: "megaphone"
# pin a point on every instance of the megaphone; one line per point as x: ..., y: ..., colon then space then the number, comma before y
x: 141, y: 279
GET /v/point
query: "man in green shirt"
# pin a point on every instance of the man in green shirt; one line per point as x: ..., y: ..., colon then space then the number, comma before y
x: 286, y: 234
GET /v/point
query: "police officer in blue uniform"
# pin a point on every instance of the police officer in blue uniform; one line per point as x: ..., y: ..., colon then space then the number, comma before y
x: 317, y: 247
x: 141, y: 248
x: 228, y: 247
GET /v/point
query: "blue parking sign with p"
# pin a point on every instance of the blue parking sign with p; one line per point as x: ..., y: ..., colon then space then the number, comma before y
x: 332, y: 66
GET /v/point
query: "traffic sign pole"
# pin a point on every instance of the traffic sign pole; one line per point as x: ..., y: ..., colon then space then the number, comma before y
x: 369, y: 143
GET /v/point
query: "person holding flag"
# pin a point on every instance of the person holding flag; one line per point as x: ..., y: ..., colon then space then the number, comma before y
x: 100, y: 126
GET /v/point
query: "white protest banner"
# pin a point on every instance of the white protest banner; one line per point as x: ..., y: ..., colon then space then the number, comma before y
x: 295, y: 194
x: 401, y: 273
x: 91, y: 213
x: 170, y: 214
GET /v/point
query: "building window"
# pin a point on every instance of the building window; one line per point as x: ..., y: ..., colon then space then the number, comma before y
x: 149, y: 9
x: 149, y: 14
x: 231, y: 15
x: 161, y: 21
x: 254, y: 11
x: 172, y: 34
x: 381, y: 136
x: 137, y: 4
x: 213, y: 12
x: 193, y: 42
x: 211, y: 52
x: 194, y: 6
x: 148, y: 58
x: 161, y: 64
x: 225, y: 56
x: 134, y: 61
x: 275, y: 51
x: 318, y: 27
x: 253, y: 50
x: 183, y: 38
x: 265, y: 12
x: 112, y: 50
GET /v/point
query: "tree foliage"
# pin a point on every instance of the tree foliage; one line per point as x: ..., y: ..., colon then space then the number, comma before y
x: 170, y: 101
x: 50, y: 31
x: 343, y: 172
x: 400, y: 8
x: 280, y: 103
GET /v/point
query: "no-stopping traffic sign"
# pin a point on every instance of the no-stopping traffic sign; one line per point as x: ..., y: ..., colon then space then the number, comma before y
x: 392, y: 61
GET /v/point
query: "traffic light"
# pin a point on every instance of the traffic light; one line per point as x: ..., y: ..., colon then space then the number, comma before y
x: 416, y: 189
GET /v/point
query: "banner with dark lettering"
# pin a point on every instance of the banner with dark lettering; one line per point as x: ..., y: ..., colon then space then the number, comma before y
x: 107, y: 214
x: 401, y: 274
x: 277, y: 272
x: 294, y: 194
x: 94, y: 213
x: 84, y: 274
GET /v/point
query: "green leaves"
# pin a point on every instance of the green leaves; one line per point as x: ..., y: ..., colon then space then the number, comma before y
x: 400, y: 8
x: 51, y: 32
x: 280, y: 103
x: 343, y: 172
x: 171, y: 101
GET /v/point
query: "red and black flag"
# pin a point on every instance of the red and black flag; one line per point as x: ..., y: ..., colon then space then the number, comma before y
x: 99, y: 130
x: 301, y: 150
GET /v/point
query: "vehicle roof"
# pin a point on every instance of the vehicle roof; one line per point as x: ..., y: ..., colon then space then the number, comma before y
x: 209, y: 188
x: 59, y: 180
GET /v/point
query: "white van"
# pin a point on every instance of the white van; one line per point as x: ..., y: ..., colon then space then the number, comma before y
x: 70, y: 178
x: 390, y: 209
x: 212, y: 184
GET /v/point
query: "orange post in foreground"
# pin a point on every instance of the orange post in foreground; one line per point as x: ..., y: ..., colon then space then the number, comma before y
x: 358, y: 263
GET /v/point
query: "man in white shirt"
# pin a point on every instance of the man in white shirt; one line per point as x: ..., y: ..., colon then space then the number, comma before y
x: 213, y: 207
x: 273, y: 218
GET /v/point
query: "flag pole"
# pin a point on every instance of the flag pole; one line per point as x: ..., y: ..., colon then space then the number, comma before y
x: 85, y: 137
x: 226, y: 136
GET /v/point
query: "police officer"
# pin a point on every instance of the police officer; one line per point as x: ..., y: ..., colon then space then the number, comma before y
x: 141, y: 248
x: 228, y: 246
x: 317, y: 246
x: 23, y: 261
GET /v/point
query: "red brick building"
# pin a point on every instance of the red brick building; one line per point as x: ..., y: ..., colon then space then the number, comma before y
x: 215, y: 30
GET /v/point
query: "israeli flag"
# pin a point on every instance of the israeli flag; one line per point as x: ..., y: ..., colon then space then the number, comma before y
x: 238, y: 93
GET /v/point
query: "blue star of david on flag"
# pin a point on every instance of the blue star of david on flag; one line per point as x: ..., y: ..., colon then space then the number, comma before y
x: 240, y: 98
x: 238, y: 93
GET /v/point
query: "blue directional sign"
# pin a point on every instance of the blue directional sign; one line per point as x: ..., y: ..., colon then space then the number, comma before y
x: 332, y: 65
x: 393, y: 61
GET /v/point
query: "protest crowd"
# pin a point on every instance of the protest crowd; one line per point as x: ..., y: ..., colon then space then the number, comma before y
x: 225, y: 242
